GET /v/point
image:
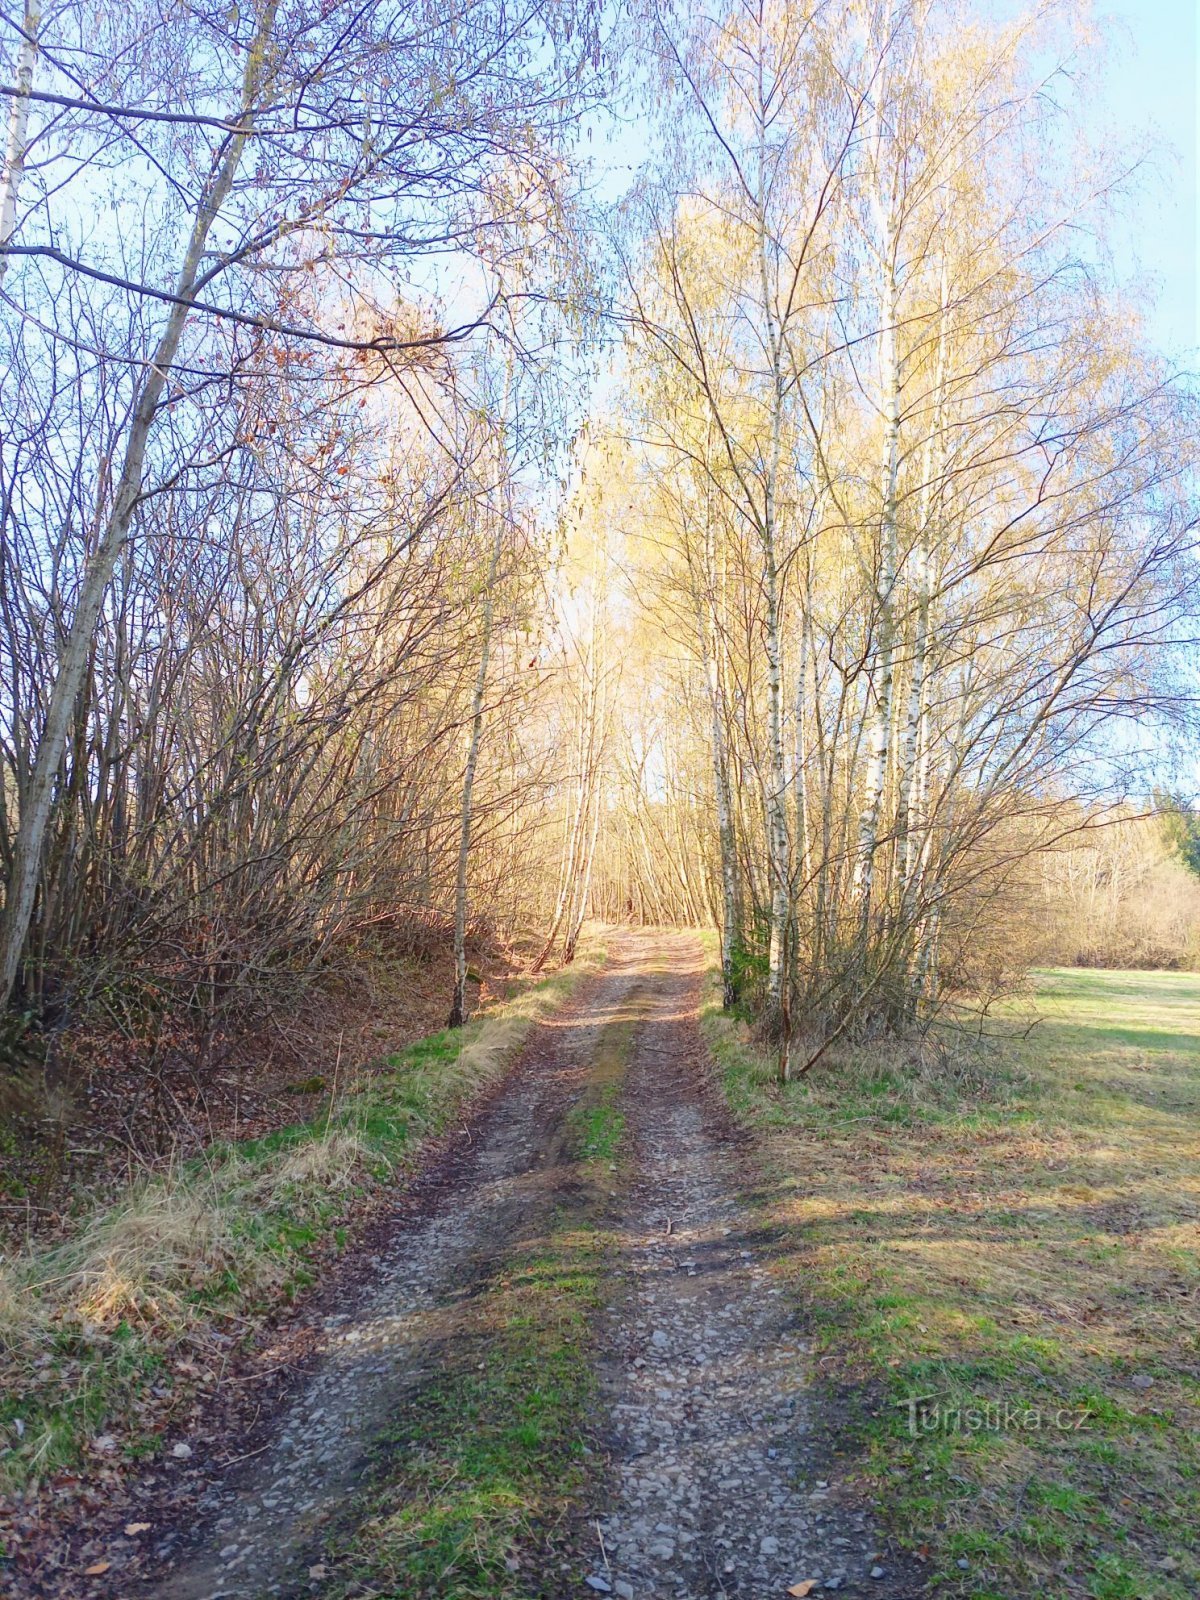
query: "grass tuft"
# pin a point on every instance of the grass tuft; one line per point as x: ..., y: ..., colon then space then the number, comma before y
x: 483, y: 1467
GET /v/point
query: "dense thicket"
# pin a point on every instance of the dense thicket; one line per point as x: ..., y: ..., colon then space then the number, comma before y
x: 274, y: 283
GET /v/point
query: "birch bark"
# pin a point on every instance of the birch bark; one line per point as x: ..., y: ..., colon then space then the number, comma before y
x: 16, y: 144
x: 458, y: 1004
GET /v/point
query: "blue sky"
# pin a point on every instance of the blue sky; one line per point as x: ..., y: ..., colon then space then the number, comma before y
x: 1146, y: 97
x: 1150, y: 89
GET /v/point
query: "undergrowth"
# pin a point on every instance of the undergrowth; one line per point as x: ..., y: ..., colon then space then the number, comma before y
x: 1000, y: 1240
x: 100, y: 1334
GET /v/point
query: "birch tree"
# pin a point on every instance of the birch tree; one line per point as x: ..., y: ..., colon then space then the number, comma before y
x: 984, y: 472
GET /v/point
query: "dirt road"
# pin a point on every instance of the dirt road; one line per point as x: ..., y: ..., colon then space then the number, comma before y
x: 707, y: 1482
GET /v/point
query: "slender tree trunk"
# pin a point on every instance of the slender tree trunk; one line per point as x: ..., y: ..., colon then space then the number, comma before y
x: 881, y: 683
x: 776, y: 784
x: 775, y: 797
x: 17, y: 143
x: 803, y: 840
x: 708, y: 629
x: 568, y: 880
x: 575, y: 924
x: 731, y: 930
x: 579, y: 905
x: 458, y: 1004
x: 914, y: 774
x: 587, y: 776
x: 37, y: 803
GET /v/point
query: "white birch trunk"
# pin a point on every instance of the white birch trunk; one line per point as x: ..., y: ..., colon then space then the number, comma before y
x: 458, y: 1005
x: 776, y: 784
x: 882, y: 682
x: 710, y: 645
x: 16, y: 145
x: 914, y: 755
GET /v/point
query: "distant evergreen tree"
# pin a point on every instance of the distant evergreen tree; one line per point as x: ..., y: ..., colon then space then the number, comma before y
x: 1181, y: 829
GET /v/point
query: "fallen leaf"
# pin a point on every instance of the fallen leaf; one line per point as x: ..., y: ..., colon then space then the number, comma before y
x: 319, y: 1571
x: 136, y: 1527
x: 799, y: 1590
x: 96, y: 1568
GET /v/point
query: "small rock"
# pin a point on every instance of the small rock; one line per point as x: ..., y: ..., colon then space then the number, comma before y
x: 768, y: 1546
x: 1142, y: 1380
x: 832, y: 1583
x: 181, y: 1451
x: 659, y: 1339
x: 599, y: 1584
x: 625, y: 1590
x: 963, y: 1564
x: 1167, y: 1564
x: 879, y: 1572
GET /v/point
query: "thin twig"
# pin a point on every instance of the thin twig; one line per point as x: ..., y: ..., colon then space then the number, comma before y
x: 246, y: 1457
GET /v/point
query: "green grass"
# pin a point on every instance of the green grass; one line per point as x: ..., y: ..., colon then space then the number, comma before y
x: 597, y: 1123
x: 151, y: 1290
x: 600, y: 1126
x: 482, y: 1468
x: 1013, y: 1223
x: 477, y: 1496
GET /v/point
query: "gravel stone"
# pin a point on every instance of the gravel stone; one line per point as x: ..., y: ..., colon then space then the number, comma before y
x: 716, y: 1411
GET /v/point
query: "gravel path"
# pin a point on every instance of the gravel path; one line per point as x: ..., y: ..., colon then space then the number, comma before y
x: 709, y: 1391
x: 260, y: 1526
x: 712, y: 1489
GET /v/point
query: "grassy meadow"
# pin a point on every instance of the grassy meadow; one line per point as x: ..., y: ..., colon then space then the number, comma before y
x: 995, y: 1242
